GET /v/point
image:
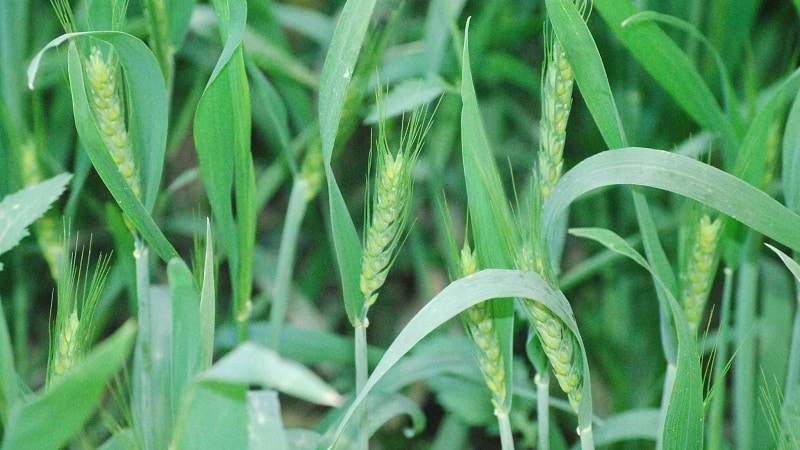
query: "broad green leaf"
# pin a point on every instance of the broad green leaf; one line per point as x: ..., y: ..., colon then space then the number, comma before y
x: 250, y: 364
x: 215, y: 417
x: 337, y: 72
x: 269, y: 113
x: 670, y: 67
x: 20, y: 209
x: 222, y: 138
x: 490, y: 214
x: 683, y: 424
x: 11, y: 393
x: 750, y: 162
x: 208, y: 302
x: 581, y: 50
x: 71, y: 400
x: 309, y: 23
x: 628, y: 425
x: 264, y: 425
x: 791, y: 156
x: 681, y: 175
x: 186, y: 347
x: 457, y: 297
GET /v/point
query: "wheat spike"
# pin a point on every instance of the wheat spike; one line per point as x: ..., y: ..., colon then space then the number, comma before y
x: 700, y: 270
x: 477, y: 319
x: 107, y: 105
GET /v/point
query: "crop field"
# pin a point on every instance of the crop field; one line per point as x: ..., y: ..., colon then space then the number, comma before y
x: 399, y: 224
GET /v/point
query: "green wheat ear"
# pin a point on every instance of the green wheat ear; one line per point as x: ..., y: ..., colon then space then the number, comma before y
x: 700, y: 268
x: 478, y: 322
x: 388, y: 211
x: 559, y: 344
x: 108, y: 109
x: 76, y: 301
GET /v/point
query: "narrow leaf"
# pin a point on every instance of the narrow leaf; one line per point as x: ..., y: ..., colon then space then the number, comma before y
x: 251, y: 364
x: 681, y: 175
x: 337, y: 72
x: 460, y: 295
x: 590, y: 74
x: 71, y: 399
x: 670, y: 67
x: 20, y: 209
x: 489, y: 211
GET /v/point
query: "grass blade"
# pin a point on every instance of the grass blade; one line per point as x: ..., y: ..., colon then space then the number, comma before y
x: 337, y: 72
x: 490, y: 214
x: 72, y: 399
x: 574, y: 36
x: 19, y: 210
x: 457, y: 297
x: 681, y: 175
x: 670, y: 67
x: 223, y: 150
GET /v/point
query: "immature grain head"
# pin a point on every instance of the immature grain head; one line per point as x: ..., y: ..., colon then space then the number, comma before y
x: 109, y: 113
x: 389, y: 209
x: 479, y: 324
x: 76, y: 302
x: 700, y: 269
x: 558, y: 342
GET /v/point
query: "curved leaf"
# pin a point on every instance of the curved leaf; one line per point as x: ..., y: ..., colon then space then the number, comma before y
x: 678, y: 174
x: 133, y: 208
x: 71, y: 399
x: 577, y: 41
x: 460, y: 295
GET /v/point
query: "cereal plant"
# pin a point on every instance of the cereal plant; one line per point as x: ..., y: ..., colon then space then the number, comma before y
x: 436, y: 224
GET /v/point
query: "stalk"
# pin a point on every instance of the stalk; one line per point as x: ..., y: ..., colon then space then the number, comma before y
x: 744, y: 366
x: 542, y: 380
x: 716, y: 414
x: 304, y: 189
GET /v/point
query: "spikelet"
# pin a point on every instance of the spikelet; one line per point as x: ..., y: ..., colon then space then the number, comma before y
x: 77, y: 298
x: 311, y: 171
x: 559, y: 344
x: 45, y: 227
x: 109, y: 112
x: 391, y: 200
x: 700, y: 270
x: 556, y: 104
x: 477, y: 320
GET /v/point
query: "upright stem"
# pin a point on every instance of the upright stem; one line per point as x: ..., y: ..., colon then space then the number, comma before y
x: 361, y: 380
x: 716, y: 414
x: 744, y: 365
x: 144, y: 389
x: 669, y: 383
x: 542, y: 381
x: 286, y: 256
x: 506, y: 438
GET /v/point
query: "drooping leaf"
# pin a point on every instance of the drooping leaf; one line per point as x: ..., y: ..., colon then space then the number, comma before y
x: 71, y: 399
x: 457, y: 297
x: 20, y: 209
x: 681, y: 175
x: 251, y: 364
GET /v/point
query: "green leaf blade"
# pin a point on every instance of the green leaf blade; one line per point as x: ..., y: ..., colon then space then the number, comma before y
x: 19, y: 210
